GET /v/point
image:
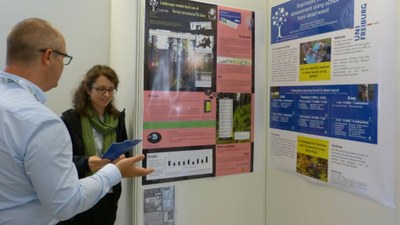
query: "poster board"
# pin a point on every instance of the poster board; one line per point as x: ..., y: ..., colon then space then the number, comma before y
x: 195, y: 196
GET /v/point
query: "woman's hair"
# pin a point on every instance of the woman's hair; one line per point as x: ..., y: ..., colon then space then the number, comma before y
x: 81, y: 100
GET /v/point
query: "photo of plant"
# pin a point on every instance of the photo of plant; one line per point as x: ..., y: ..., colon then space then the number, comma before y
x: 312, y: 166
x: 234, y: 119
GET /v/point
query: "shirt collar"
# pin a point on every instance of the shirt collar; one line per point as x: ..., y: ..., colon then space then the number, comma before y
x: 25, y: 84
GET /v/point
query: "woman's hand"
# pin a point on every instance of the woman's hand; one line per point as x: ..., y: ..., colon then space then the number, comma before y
x: 96, y: 163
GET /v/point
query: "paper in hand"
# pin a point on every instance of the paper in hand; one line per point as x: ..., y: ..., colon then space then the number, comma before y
x: 118, y: 148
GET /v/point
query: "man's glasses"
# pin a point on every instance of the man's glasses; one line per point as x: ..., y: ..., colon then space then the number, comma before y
x: 67, y: 58
x: 103, y: 90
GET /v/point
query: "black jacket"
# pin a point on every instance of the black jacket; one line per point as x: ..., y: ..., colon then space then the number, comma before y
x: 72, y: 121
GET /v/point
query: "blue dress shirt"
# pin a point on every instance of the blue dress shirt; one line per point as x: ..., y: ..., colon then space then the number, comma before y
x: 38, y: 181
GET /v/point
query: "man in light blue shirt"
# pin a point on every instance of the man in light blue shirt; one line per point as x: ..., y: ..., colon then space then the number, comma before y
x: 38, y: 181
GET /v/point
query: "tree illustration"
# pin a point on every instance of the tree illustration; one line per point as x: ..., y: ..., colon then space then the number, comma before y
x: 278, y: 19
x: 153, y: 3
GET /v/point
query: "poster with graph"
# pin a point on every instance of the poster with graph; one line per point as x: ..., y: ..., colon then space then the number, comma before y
x: 198, y: 90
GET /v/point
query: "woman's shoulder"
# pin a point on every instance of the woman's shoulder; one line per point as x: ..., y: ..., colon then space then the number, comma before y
x: 70, y: 115
x: 69, y: 112
x: 122, y: 114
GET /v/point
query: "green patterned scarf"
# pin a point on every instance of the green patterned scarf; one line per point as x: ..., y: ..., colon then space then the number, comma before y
x: 107, y: 128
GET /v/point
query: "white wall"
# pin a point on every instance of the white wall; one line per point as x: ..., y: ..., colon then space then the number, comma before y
x: 123, y: 35
x: 293, y: 200
x: 85, y: 25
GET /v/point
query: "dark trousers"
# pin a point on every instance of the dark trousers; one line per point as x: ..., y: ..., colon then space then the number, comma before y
x: 103, y: 213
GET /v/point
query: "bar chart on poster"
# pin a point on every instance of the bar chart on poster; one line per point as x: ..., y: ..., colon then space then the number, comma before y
x: 183, y: 163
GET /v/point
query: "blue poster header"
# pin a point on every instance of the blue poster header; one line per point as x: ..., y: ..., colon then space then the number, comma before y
x: 234, y: 17
x: 302, y: 18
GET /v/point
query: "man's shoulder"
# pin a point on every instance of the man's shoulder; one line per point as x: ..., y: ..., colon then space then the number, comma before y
x: 26, y: 107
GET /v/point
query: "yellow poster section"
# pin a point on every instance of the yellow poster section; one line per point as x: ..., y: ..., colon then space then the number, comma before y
x: 315, y: 71
x: 313, y: 147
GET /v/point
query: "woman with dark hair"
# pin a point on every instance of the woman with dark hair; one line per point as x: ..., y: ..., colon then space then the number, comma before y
x: 94, y: 124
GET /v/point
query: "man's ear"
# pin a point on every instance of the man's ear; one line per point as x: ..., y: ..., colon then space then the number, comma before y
x: 45, y: 58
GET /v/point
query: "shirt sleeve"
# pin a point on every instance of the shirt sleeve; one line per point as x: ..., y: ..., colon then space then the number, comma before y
x: 49, y: 166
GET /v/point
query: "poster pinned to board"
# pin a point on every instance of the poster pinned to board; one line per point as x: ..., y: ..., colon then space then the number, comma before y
x: 198, y: 90
x: 332, y: 75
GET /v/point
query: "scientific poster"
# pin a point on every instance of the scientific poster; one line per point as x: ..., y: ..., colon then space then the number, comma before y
x: 198, y: 90
x: 332, y: 75
x: 159, y: 206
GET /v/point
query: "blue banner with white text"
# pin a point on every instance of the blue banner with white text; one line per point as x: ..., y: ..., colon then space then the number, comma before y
x: 339, y: 111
